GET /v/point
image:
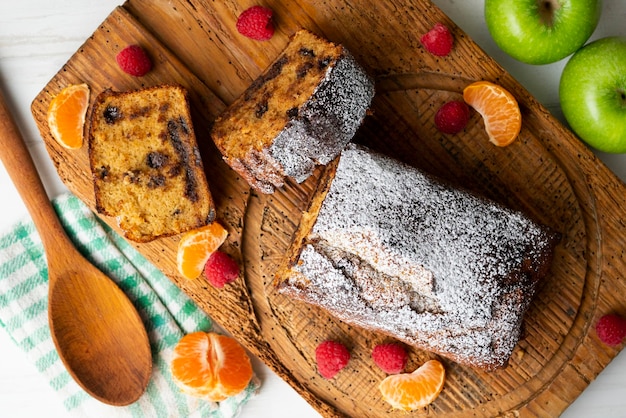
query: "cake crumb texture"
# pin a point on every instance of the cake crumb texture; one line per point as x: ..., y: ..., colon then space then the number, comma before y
x: 146, y: 166
x: 397, y: 251
x: 301, y: 112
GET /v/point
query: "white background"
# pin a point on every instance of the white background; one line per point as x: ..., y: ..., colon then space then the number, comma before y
x: 38, y: 36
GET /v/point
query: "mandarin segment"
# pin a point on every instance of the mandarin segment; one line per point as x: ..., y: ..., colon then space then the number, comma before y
x: 410, y: 391
x: 498, y: 108
x: 210, y: 366
x: 66, y: 115
x: 196, y: 246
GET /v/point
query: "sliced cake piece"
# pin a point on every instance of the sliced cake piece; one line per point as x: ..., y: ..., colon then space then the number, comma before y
x: 391, y: 249
x: 300, y: 112
x: 146, y: 166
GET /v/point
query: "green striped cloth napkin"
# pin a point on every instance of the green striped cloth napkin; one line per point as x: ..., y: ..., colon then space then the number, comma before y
x: 167, y: 312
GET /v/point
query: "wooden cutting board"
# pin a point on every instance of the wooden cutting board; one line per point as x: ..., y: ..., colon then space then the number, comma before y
x: 546, y: 173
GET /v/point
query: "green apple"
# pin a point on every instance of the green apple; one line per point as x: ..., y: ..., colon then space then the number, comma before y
x: 541, y: 31
x: 592, y: 92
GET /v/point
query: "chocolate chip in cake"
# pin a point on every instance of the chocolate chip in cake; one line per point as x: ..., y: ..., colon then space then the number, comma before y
x: 191, y: 187
x: 303, y: 69
x: 156, y: 159
x: 175, y: 170
x: 132, y: 177
x: 156, y: 181
x: 261, y: 108
x: 292, y: 113
x: 307, y: 52
x: 112, y: 114
x: 174, y: 127
x: 184, y: 126
x: 274, y: 71
x: 276, y: 68
x: 323, y: 63
x: 173, y: 135
x: 103, y: 172
x: 140, y: 111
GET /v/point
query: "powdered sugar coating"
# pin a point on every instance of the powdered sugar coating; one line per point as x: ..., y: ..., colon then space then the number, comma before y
x: 327, y: 121
x: 397, y: 251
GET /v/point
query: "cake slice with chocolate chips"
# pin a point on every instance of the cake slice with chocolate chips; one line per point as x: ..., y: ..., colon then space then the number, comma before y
x: 146, y: 166
x: 301, y: 112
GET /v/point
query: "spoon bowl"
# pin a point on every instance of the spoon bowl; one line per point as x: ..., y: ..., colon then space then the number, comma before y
x: 96, y: 329
x: 98, y: 336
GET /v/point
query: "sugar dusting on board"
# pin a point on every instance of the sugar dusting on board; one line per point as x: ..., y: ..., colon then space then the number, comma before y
x: 395, y: 250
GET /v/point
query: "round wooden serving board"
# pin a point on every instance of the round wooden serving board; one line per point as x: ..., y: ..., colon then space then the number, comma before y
x: 547, y: 173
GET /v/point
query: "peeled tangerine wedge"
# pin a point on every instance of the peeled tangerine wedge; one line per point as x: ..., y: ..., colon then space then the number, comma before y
x: 66, y: 115
x: 196, y: 246
x: 210, y: 366
x: 410, y: 391
x: 499, y: 109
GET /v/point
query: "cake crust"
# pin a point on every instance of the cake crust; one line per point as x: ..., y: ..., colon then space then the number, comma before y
x: 391, y: 249
x: 146, y: 166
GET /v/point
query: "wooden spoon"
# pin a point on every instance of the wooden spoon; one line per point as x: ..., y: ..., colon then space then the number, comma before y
x: 96, y: 329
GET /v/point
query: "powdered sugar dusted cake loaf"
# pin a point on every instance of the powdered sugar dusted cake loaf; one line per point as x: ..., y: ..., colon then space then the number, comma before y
x: 146, y: 165
x: 388, y: 248
x: 299, y: 113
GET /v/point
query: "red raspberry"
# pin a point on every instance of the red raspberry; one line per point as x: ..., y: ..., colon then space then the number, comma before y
x: 134, y: 60
x: 390, y: 357
x: 452, y: 117
x: 256, y: 23
x: 331, y: 357
x: 438, y: 41
x: 611, y: 329
x: 220, y: 269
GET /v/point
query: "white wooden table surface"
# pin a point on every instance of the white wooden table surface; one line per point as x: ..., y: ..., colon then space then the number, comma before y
x: 38, y: 36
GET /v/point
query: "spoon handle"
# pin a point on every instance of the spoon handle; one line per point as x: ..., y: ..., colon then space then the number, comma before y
x: 21, y: 168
